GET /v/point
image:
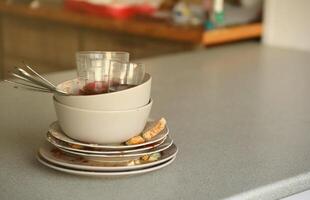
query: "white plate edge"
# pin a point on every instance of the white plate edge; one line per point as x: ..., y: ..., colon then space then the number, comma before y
x: 107, y: 174
x: 114, y: 156
x: 122, y: 168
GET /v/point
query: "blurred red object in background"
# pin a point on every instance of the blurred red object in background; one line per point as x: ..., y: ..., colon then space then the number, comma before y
x: 114, y: 11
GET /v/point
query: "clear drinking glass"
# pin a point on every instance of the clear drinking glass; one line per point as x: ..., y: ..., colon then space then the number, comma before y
x: 93, y: 68
x: 124, y: 75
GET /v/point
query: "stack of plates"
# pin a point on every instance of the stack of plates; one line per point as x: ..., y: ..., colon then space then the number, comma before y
x: 75, y: 157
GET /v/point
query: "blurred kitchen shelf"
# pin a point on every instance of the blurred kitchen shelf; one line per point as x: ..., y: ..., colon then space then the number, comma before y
x: 136, y: 26
x: 231, y: 34
x: 140, y: 27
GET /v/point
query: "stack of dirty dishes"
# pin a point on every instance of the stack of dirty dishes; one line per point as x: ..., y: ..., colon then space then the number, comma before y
x: 103, y: 126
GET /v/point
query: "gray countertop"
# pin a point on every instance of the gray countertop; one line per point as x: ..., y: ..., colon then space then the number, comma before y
x: 240, y: 115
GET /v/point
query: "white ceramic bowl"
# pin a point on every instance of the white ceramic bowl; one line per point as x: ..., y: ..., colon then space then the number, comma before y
x: 101, y: 127
x: 122, y: 100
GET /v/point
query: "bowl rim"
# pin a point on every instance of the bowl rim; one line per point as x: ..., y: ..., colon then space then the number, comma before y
x: 147, y: 76
x: 149, y: 104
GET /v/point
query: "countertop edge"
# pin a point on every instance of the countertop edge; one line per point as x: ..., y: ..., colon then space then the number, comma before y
x: 276, y: 190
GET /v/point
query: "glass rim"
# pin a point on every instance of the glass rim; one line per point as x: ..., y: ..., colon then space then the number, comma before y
x: 101, y: 52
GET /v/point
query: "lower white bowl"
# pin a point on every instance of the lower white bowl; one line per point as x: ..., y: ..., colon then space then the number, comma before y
x: 101, y: 127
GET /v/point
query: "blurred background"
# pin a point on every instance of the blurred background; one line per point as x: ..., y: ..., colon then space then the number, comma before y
x: 47, y: 33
